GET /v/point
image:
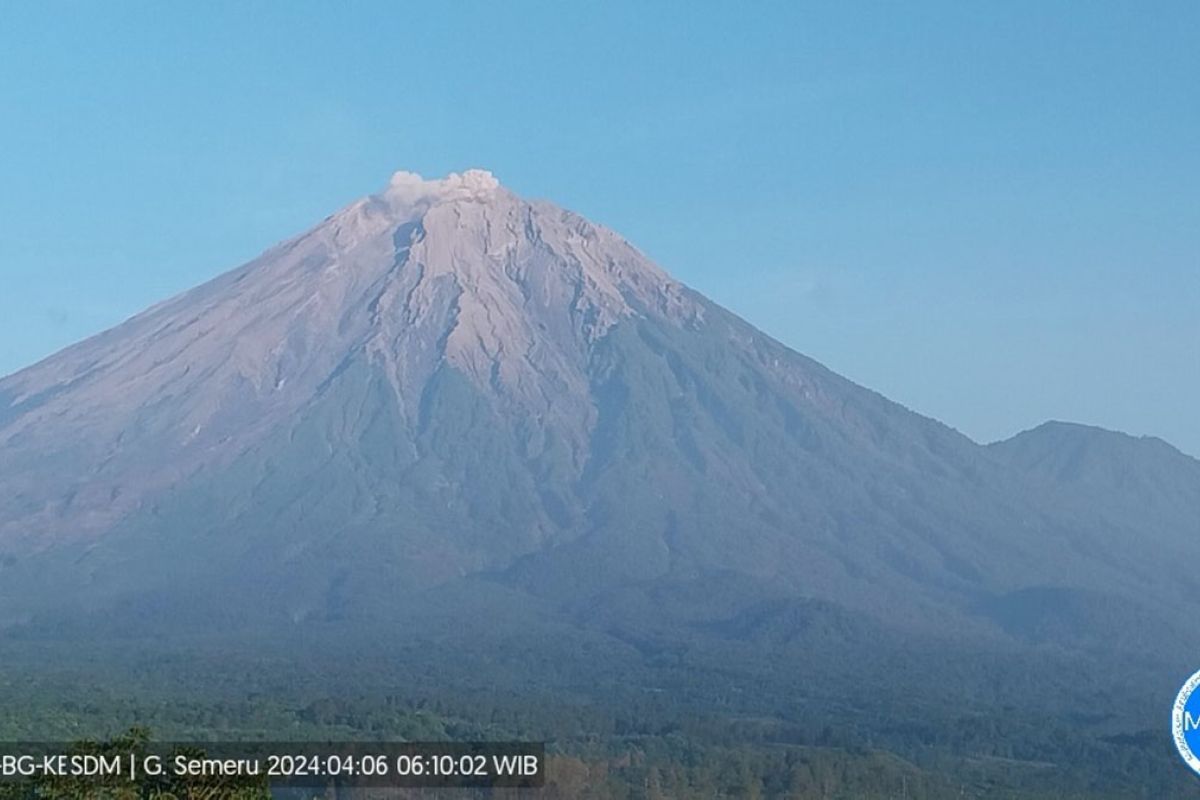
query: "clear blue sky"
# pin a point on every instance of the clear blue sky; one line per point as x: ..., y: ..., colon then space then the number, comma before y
x: 987, y: 211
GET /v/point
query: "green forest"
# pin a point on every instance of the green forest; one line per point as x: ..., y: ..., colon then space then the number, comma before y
x: 648, y: 749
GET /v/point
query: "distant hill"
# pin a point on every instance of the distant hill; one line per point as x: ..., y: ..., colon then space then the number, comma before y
x: 1145, y: 474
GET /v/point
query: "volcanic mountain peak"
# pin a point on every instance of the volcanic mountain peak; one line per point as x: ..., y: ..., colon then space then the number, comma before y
x: 456, y: 272
x: 469, y: 230
x: 444, y: 379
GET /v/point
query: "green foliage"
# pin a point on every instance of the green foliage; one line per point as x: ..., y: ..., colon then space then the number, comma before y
x: 657, y: 745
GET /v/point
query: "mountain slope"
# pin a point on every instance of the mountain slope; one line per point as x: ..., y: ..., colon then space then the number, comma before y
x: 447, y: 383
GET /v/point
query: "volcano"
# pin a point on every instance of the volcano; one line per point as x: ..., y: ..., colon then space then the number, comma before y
x: 445, y: 385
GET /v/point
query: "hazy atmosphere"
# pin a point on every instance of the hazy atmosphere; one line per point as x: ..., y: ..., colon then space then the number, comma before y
x: 989, y: 213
